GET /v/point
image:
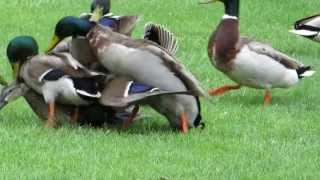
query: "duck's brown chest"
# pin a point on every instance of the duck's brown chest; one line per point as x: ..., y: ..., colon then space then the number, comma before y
x: 222, y: 47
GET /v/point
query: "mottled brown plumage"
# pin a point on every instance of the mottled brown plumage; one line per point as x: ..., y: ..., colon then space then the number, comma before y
x: 101, y: 37
x: 147, y: 62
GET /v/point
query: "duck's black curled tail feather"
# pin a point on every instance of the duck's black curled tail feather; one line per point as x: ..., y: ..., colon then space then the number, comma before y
x: 162, y: 36
x: 198, y: 122
x: 304, y: 71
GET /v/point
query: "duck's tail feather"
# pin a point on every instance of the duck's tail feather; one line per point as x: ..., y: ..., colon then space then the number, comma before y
x: 163, y: 37
x: 305, y: 71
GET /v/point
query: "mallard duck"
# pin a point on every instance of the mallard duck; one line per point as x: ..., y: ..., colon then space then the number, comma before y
x: 248, y: 62
x: 54, y: 77
x: 146, y: 62
x: 308, y: 27
x: 51, y: 77
x: 105, y: 4
x: 78, y: 45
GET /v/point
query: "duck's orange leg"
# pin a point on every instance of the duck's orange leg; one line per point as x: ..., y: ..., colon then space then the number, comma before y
x: 184, y: 123
x: 74, y: 118
x: 131, y: 118
x: 223, y: 89
x: 267, y: 97
x: 51, y: 123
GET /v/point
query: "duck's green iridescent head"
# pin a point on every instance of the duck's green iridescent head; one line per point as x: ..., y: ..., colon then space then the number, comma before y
x: 105, y: 4
x: 231, y: 6
x: 70, y: 26
x: 19, y: 49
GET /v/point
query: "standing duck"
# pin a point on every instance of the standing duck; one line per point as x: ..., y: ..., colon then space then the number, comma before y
x: 308, y: 27
x: 248, y: 62
x: 146, y: 62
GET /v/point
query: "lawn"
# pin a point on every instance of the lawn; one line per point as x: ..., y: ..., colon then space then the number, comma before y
x: 242, y: 139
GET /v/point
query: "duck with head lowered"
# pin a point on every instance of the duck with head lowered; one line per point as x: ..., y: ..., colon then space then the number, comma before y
x: 146, y: 62
x: 51, y: 76
x: 54, y: 77
x: 248, y: 62
x: 308, y: 27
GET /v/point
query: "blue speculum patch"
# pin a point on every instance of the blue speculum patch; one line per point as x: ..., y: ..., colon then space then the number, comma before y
x: 107, y: 21
x: 136, y: 87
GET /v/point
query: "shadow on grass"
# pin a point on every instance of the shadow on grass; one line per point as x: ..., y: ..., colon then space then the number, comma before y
x: 142, y: 126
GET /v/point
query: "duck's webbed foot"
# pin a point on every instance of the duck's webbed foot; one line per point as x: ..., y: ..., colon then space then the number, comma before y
x: 184, y: 123
x: 75, y: 116
x: 223, y: 89
x: 267, y: 97
x: 51, y: 122
x: 131, y: 118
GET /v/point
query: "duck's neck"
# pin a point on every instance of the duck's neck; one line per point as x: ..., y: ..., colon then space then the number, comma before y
x: 224, y: 40
x: 231, y: 9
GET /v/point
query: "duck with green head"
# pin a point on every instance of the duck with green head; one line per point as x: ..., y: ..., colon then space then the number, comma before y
x: 51, y: 77
x: 146, y: 62
x: 248, y: 62
x: 79, y: 47
x: 54, y: 77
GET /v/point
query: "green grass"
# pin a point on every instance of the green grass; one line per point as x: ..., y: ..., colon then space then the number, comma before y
x: 242, y: 139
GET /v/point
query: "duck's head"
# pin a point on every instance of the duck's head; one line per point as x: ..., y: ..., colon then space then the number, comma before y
x: 105, y: 4
x: 231, y: 6
x: 19, y: 50
x: 69, y: 26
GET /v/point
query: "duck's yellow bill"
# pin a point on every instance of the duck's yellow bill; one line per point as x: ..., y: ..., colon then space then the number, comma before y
x: 54, y: 41
x: 97, y: 14
x: 15, y: 70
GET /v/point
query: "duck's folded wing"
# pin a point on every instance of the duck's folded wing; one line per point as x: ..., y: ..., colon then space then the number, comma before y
x: 68, y: 59
x: 102, y: 36
x: 125, y: 24
x: 122, y: 92
x: 63, y: 46
x: 311, y: 23
x: 274, y: 54
x: 178, y: 69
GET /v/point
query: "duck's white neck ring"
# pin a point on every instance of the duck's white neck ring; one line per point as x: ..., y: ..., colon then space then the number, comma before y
x: 226, y: 16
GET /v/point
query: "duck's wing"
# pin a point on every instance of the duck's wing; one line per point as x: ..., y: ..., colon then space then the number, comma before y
x: 123, y: 92
x: 308, y: 27
x: 311, y: 23
x: 68, y: 58
x: 267, y: 50
x: 178, y: 69
x: 123, y: 24
x: 101, y: 37
x: 162, y: 36
x: 33, y: 69
x: 63, y: 46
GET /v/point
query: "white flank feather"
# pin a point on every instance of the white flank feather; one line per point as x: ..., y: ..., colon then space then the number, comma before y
x: 304, y: 32
x: 98, y: 95
x: 308, y: 73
